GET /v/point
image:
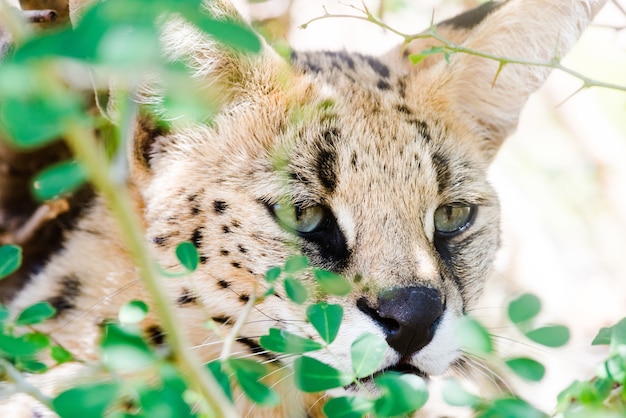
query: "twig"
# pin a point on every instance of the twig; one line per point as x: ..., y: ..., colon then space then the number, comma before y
x: 234, y: 333
x: 14, y: 376
x: 43, y: 214
x: 84, y: 145
x: 451, y: 47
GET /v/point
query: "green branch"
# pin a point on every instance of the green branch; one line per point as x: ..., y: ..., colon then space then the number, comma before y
x: 449, y: 47
x: 84, y: 145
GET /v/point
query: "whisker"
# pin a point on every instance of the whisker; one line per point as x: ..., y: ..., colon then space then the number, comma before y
x: 93, y: 308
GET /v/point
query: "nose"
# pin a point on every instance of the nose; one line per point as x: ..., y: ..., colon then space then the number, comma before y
x: 408, y: 316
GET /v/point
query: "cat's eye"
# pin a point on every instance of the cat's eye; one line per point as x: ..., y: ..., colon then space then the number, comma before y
x: 453, y: 219
x: 300, y: 219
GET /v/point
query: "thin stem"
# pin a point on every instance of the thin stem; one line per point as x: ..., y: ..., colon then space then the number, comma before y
x: 451, y: 47
x: 234, y: 333
x: 84, y: 146
x: 23, y: 386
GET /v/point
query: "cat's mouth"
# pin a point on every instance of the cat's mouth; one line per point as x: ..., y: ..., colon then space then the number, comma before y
x: 403, y: 368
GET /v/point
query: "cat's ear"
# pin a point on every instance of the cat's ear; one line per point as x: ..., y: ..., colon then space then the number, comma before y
x: 489, y: 98
x: 225, y: 77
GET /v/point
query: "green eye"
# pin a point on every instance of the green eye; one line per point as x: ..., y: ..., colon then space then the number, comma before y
x: 300, y: 219
x: 453, y: 219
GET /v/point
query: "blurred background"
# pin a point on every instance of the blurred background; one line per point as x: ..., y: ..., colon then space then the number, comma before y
x: 561, y: 178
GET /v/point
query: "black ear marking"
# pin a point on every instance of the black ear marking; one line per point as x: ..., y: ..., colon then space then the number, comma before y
x: 472, y: 18
x: 147, y: 129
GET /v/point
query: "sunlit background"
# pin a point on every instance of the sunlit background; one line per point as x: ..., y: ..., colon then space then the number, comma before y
x: 561, y: 178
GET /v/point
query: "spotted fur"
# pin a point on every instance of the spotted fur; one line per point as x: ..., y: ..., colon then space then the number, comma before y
x: 376, y: 142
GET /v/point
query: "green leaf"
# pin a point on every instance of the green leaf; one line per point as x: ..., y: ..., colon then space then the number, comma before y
x: 123, y: 349
x: 603, y: 337
x: 10, y: 259
x: 282, y: 341
x: 402, y: 394
x: 272, y: 274
x: 527, y: 368
x: 32, y: 118
x: 18, y: 346
x: 332, y: 283
x: 367, y: 352
x: 32, y: 366
x: 85, y: 401
x: 215, y: 367
x: 615, y: 336
x: 348, y: 407
x: 168, y: 400
x: 550, y: 336
x: 614, y: 368
x: 417, y: 58
x: 473, y: 337
x: 295, y: 290
x: 248, y: 374
x: 35, y: 314
x: 454, y: 394
x: 188, y: 256
x: 510, y: 407
x: 326, y: 319
x: 40, y: 339
x: 60, y: 354
x: 525, y: 307
x: 133, y: 312
x: 312, y: 375
x: 296, y: 263
x: 58, y: 180
x: 4, y: 314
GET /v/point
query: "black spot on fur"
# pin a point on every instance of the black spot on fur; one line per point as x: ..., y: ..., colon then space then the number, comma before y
x: 235, y: 223
x: 236, y: 265
x: 473, y: 17
x: 402, y: 87
x: 341, y: 57
x: 223, y: 319
x: 423, y: 129
x: 226, y: 229
x: 156, y: 334
x: 353, y: 160
x: 383, y: 85
x: 69, y: 290
x: 242, y: 249
x: 196, y: 237
x: 442, y: 167
x: 257, y: 349
x: 160, y: 241
x: 404, y: 109
x: 203, y: 259
x: 219, y: 206
x: 377, y: 66
x: 195, y: 210
x: 191, y: 197
x: 224, y: 252
x: 326, y: 160
x: 244, y: 298
x: 223, y: 284
x: 186, y: 298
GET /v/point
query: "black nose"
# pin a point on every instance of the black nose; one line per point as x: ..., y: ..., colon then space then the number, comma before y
x: 408, y: 315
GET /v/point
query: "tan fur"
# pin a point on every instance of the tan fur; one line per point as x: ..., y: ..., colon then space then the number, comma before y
x: 391, y: 175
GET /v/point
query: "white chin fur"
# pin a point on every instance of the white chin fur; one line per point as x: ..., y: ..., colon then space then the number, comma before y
x: 442, y: 351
